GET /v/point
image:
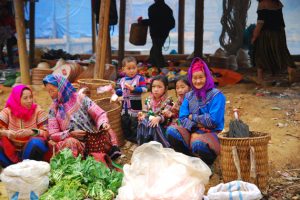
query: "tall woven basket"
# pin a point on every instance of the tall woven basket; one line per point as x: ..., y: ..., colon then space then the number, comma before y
x: 113, y: 110
x: 93, y: 84
x: 250, y: 153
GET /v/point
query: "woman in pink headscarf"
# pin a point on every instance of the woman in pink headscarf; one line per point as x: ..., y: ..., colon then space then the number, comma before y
x: 201, y: 114
x: 22, y: 120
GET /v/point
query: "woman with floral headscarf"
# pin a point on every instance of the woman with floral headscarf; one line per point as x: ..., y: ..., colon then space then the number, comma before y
x: 25, y: 122
x: 76, y: 122
x: 201, y: 114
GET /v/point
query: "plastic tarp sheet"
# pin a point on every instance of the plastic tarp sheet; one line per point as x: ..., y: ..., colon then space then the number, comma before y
x: 59, y: 18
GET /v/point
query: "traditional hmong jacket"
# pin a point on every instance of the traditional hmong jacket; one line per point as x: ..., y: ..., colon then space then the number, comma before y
x: 153, y: 109
x: 209, y: 113
x: 132, y: 101
x: 81, y: 114
x: 38, y: 121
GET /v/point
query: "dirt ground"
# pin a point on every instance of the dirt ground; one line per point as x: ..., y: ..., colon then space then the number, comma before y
x: 273, y: 109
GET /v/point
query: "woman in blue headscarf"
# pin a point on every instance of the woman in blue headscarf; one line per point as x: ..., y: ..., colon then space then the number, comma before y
x: 76, y: 122
x: 201, y: 114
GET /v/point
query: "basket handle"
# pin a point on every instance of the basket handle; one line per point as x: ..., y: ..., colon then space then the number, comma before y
x: 236, y: 161
x: 252, y: 163
x: 236, y: 114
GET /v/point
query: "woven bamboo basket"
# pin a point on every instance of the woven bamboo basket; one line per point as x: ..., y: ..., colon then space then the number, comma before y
x: 93, y: 84
x: 259, y: 142
x: 113, y: 110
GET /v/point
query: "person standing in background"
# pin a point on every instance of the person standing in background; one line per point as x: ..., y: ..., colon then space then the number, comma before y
x: 269, y: 39
x: 161, y: 21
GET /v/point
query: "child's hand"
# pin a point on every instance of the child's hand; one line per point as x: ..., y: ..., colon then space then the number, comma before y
x: 190, y: 117
x: 140, y: 116
x: 175, y: 107
x: 154, y: 121
x: 167, y: 113
x: 129, y: 87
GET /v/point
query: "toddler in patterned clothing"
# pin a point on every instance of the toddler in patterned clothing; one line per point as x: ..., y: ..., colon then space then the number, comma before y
x: 131, y: 87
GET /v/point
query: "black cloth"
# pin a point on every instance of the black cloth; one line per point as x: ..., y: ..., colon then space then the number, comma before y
x: 273, y: 19
x: 129, y: 127
x: 113, y: 13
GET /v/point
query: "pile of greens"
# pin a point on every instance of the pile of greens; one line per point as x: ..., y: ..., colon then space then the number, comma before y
x: 75, y: 178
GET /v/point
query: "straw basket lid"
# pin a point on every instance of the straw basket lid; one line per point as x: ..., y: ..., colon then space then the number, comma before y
x: 43, y: 65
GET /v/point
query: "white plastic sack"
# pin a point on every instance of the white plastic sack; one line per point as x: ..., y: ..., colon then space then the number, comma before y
x: 234, y: 190
x: 161, y: 173
x: 26, y: 176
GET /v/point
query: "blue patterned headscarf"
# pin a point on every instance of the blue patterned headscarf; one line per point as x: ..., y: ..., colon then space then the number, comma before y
x: 209, y: 84
x: 65, y: 91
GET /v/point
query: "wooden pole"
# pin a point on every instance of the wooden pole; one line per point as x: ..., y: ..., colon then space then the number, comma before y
x: 20, y: 26
x: 108, y: 49
x: 199, y: 20
x: 102, y: 39
x: 181, y: 26
x: 93, y: 28
x: 122, y: 32
x: 32, y: 32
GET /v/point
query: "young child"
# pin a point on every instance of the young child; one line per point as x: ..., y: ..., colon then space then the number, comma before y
x: 182, y: 87
x: 152, y: 122
x: 131, y: 88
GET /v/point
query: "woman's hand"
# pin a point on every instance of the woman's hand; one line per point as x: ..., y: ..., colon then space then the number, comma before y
x: 8, y: 133
x: 190, y: 117
x: 105, y: 126
x: 78, y: 134
x: 24, y: 133
x: 154, y: 121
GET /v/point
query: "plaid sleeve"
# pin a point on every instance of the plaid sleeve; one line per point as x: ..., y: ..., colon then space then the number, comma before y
x: 54, y: 129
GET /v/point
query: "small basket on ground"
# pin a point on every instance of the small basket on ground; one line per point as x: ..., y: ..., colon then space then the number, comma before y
x: 113, y: 110
x: 245, y: 158
x: 93, y: 84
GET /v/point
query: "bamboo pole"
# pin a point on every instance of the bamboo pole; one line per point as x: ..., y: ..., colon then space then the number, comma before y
x: 108, y: 48
x: 199, y: 19
x: 181, y: 11
x: 20, y: 26
x: 93, y: 28
x: 122, y: 31
x: 32, y: 32
x: 102, y: 39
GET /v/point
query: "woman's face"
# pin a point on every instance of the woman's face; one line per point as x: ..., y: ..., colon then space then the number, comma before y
x: 26, y: 98
x: 181, y: 88
x: 198, y: 79
x: 52, y: 90
x: 158, y: 89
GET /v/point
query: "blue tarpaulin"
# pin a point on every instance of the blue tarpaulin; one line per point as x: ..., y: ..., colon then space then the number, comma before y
x: 59, y: 18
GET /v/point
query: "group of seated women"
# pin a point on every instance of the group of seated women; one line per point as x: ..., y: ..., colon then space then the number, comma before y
x: 190, y: 125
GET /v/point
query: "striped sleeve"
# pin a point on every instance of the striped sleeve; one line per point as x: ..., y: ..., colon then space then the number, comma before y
x: 42, y: 123
x: 4, y: 117
x: 142, y: 87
